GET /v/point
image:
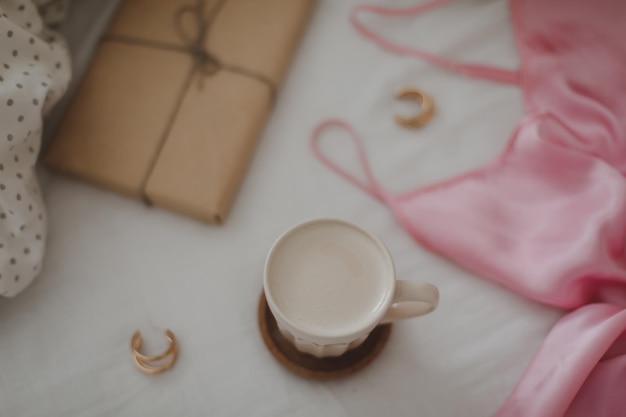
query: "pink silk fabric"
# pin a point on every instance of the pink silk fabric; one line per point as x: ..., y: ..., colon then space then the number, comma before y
x: 547, y: 219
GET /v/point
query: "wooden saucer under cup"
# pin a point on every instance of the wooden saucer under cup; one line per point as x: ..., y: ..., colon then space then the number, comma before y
x: 310, y: 366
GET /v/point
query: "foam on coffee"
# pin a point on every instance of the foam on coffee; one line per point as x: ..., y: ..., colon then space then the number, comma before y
x: 328, y: 276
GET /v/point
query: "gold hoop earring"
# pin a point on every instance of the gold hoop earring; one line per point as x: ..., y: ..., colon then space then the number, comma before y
x: 426, y: 113
x: 145, y: 363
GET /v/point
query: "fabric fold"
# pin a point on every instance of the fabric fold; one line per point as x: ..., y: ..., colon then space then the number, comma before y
x: 547, y: 218
x: 34, y: 74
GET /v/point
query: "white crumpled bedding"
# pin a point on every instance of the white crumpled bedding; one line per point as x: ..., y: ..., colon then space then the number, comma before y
x: 114, y: 266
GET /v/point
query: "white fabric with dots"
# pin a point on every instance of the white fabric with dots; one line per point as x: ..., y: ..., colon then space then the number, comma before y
x: 34, y: 74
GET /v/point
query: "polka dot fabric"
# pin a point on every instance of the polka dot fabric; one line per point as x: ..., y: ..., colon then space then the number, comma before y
x: 34, y: 73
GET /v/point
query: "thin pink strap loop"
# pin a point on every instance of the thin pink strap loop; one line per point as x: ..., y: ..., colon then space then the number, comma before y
x: 372, y: 186
x: 473, y: 70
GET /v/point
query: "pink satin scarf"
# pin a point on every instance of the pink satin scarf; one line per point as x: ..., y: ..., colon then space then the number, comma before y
x: 547, y: 218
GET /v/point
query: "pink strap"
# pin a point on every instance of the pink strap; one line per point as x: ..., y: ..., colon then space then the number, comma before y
x: 473, y: 70
x: 372, y: 186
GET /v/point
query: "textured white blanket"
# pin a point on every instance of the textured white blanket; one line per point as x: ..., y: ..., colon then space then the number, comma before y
x: 114, y: 265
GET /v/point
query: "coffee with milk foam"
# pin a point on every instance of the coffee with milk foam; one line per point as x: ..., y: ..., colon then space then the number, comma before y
x: 328, y: 277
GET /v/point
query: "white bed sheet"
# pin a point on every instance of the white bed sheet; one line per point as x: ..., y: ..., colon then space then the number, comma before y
x: 114, y: 265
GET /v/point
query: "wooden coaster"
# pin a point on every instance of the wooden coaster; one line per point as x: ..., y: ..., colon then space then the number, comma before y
x: 310, y: 366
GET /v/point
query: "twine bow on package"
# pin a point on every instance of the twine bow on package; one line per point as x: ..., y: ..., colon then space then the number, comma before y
x: 177, y: 95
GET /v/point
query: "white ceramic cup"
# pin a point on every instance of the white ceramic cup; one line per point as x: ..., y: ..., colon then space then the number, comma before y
x: 329, y: 283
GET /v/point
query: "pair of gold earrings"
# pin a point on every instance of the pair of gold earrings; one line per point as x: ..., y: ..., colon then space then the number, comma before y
x: 157, y: 363
x: 163, y: 361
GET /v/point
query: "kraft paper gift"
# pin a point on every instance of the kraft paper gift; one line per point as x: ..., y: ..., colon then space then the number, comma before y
x: 176, y: 98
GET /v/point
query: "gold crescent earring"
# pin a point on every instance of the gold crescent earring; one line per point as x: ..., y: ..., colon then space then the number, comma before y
x: 426, y: 113
x: 146, y: 364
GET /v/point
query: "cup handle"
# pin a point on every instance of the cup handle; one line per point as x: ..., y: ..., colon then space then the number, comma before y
x: 412, y: 299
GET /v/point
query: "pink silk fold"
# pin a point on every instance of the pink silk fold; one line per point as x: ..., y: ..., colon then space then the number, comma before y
x: 547, y: 219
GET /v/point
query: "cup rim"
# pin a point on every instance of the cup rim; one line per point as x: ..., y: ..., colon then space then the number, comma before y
x: 332, y: 335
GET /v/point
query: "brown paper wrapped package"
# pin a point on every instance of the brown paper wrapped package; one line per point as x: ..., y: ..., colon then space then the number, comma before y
x: 150, y: 123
